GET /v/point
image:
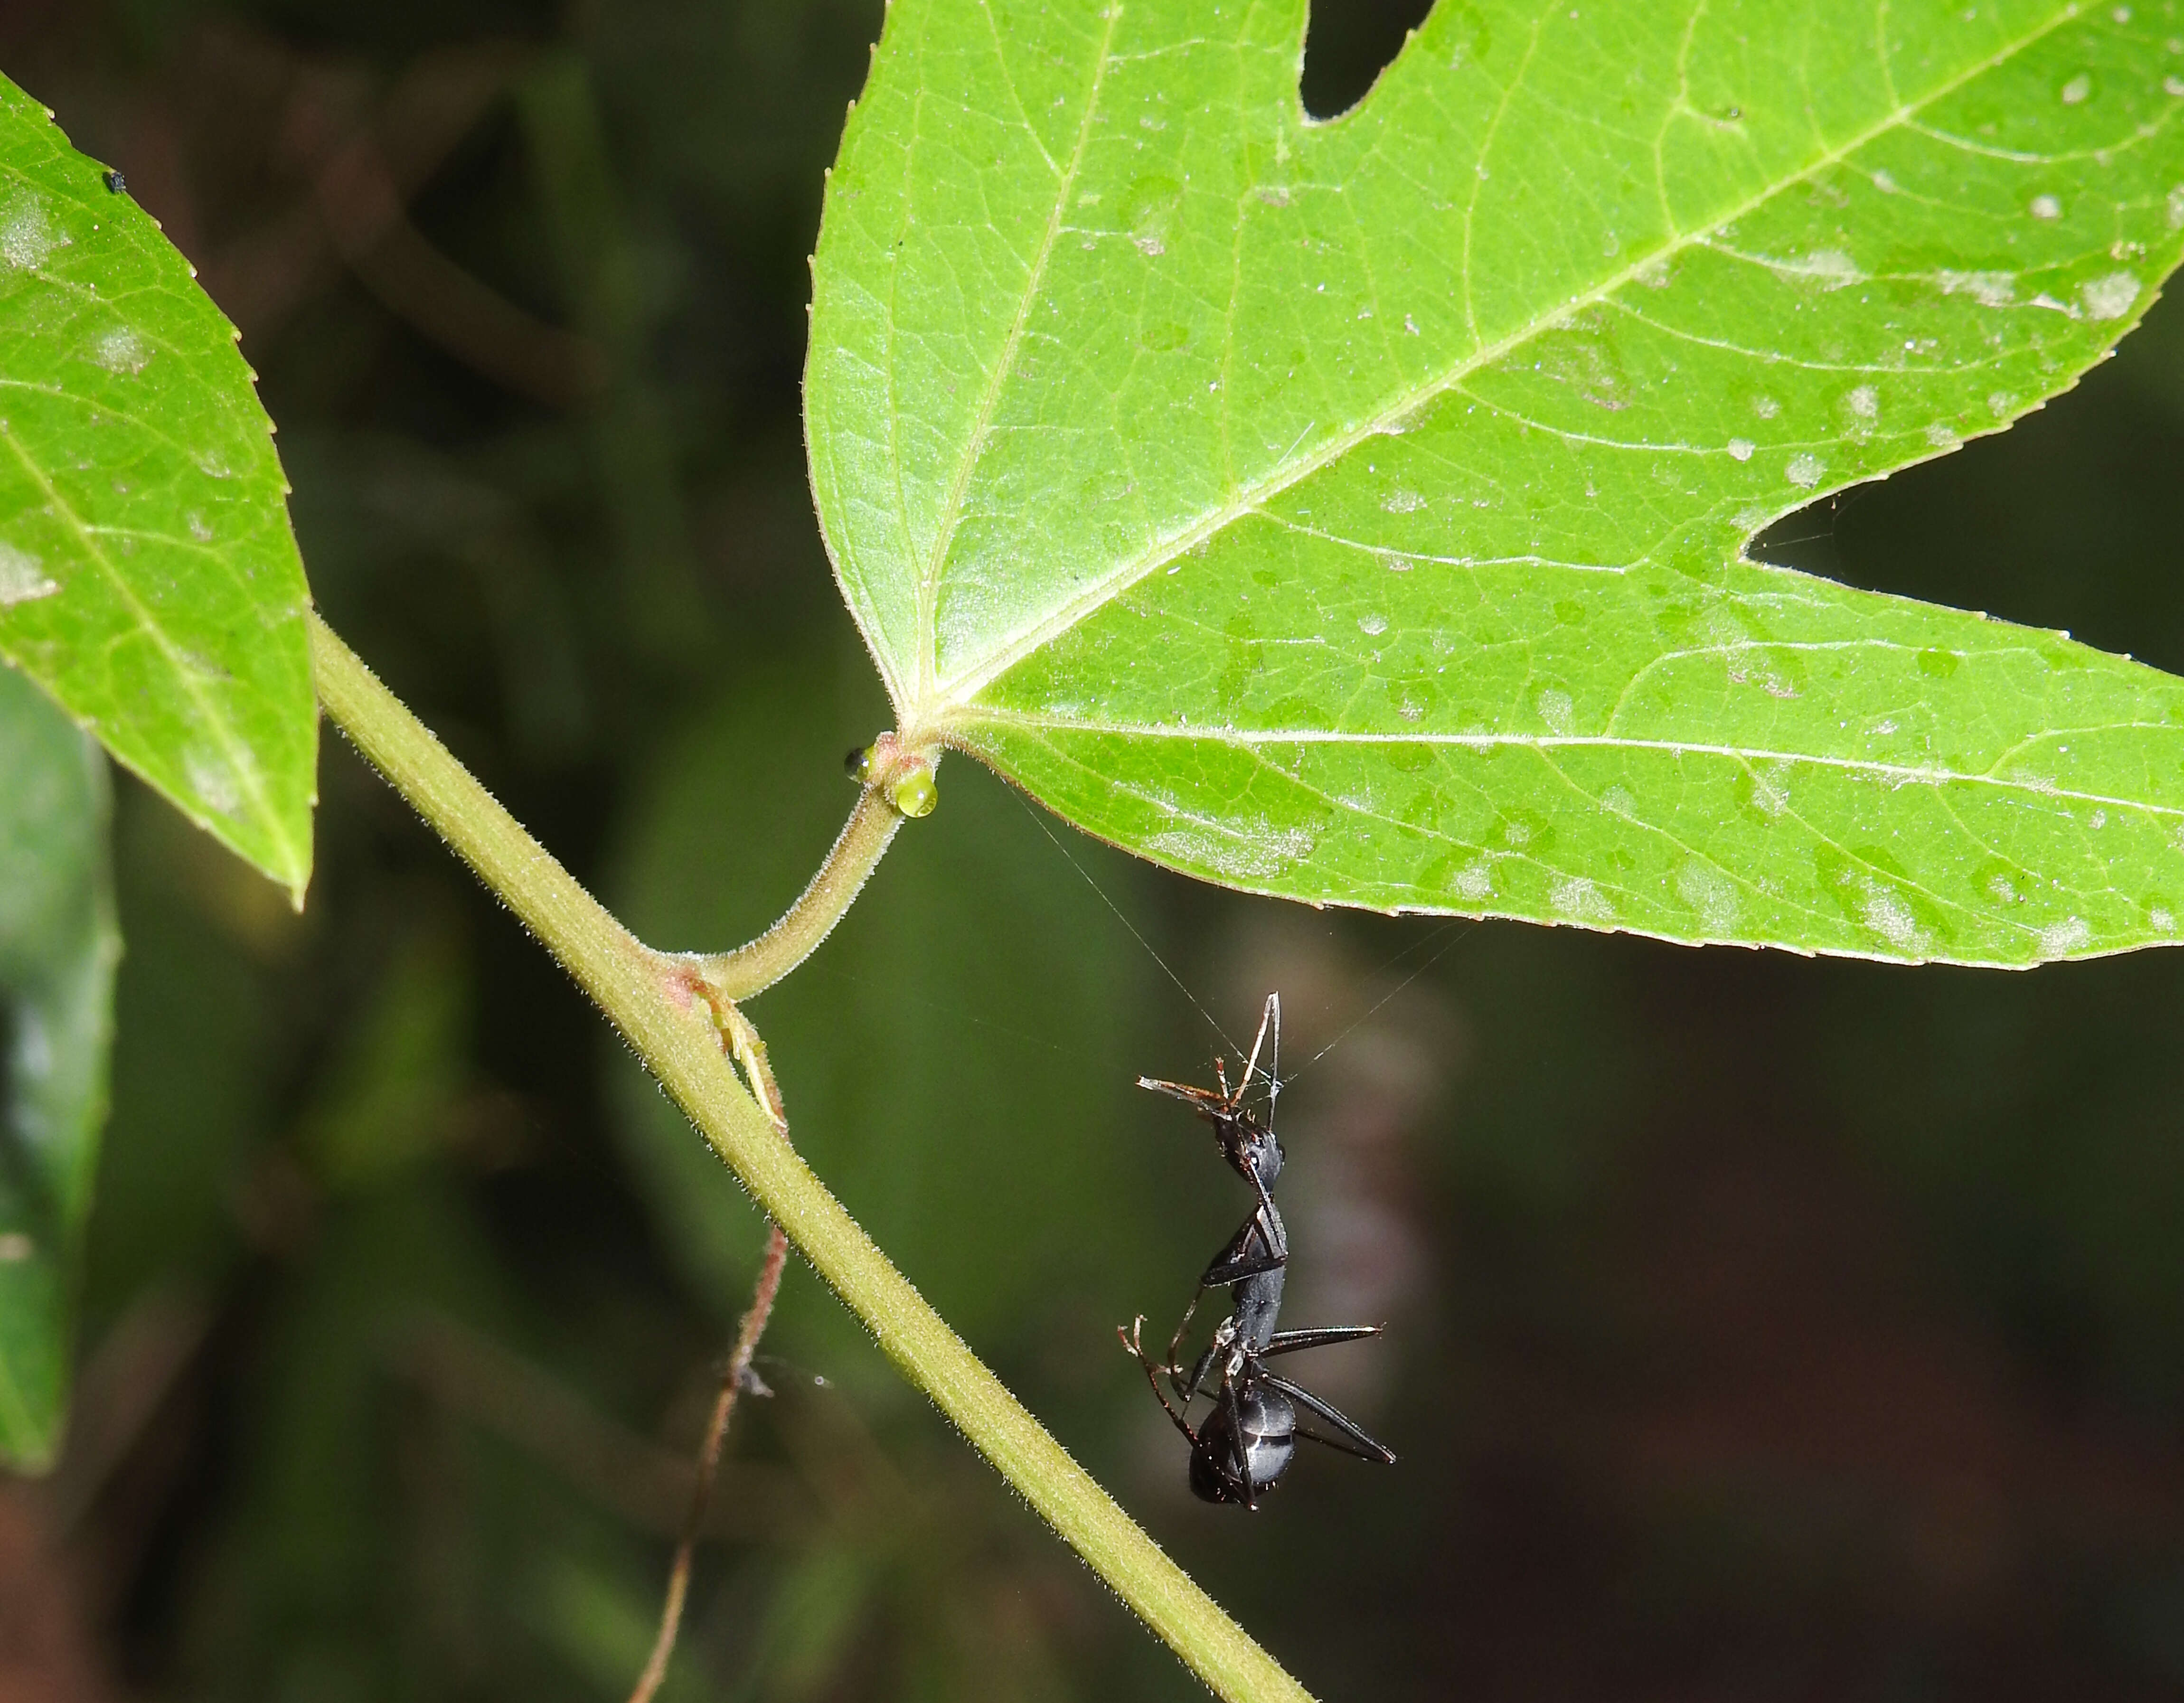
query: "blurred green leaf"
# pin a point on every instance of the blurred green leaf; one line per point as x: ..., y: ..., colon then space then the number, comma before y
x: 812, y: 1618
x: 321, y: 1551
x: 1354, y: 511
x: 602, y: 1624
x: 149, y: 579
x: 58, y: 949
x: 198, y: 1071
x: 388, y: 1099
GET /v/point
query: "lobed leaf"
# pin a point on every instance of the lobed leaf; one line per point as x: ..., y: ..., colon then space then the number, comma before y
x: 59, y: 945
x: 148, y: 578
x: 1355, y: 511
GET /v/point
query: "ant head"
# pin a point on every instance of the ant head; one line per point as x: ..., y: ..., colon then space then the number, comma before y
x: 1248, y: 1145
x: 1226, y: 1467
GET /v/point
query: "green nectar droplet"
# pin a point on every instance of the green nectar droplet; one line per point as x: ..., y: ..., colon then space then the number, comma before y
x: 914, y: 795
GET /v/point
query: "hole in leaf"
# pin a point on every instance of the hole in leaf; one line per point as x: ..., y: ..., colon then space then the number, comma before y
x: 1350, y: 43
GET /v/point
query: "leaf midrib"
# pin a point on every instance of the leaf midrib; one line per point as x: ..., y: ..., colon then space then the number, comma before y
x: 1901, y: 774
x: 974, y: 444
x: 232, y: 747
x: 942, y: 704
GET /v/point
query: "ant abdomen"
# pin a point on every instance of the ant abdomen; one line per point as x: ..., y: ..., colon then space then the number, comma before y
x: 1265, y: 1420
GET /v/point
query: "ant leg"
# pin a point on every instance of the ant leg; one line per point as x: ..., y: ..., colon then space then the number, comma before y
x: 1271, y: 1019
x: 1268, y: 1222
x: 1133, y: 1342
x: 1289, y: 1342
x: 1358, y: 1443
x: 1237, y: 1451
x: 1174, y: 1369
x: 1221, y: 1275
x: 1240, y: 1258
x: 1198, y: 1373
x: 1198, y: 1099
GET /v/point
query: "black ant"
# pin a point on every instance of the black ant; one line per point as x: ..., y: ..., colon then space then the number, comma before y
x: 1247, y: 1442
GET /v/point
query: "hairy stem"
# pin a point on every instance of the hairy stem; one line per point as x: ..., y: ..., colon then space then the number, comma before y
x: 750, y: 970
x: 649, y: 998
x: 709, y: 1461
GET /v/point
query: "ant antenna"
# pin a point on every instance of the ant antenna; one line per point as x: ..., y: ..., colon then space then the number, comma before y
x: 1270, y: 1022
x: 1275, y: 1081
x: 1180, y: 983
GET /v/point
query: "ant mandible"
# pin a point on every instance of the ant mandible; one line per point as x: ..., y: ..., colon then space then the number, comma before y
x: 1247, y: 1442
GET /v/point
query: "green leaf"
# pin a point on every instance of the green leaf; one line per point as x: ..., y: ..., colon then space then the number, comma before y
x: 1354, y: 511
x: 57, y: 949
x: 148, y: 578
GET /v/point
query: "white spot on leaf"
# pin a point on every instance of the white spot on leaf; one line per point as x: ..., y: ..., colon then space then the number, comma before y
x: 26, y: 237
x: 2061, y: 939
x: 23, y: 578
x: 1887, y: 914
x: 1804, y: 471
x: 1244, y: 851
x: 1829, y: 267
x: 1988, y: 289
x: 2110, y: 298
x: 1581, y: 899
x: 119, y: 349
x: 213, y: 780
x: 1710, y: 892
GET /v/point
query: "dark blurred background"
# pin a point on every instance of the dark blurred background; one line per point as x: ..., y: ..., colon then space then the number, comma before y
x: 1761, y: 1328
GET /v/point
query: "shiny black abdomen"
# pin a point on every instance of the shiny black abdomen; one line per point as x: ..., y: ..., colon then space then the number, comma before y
x: 1268, y: 1424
